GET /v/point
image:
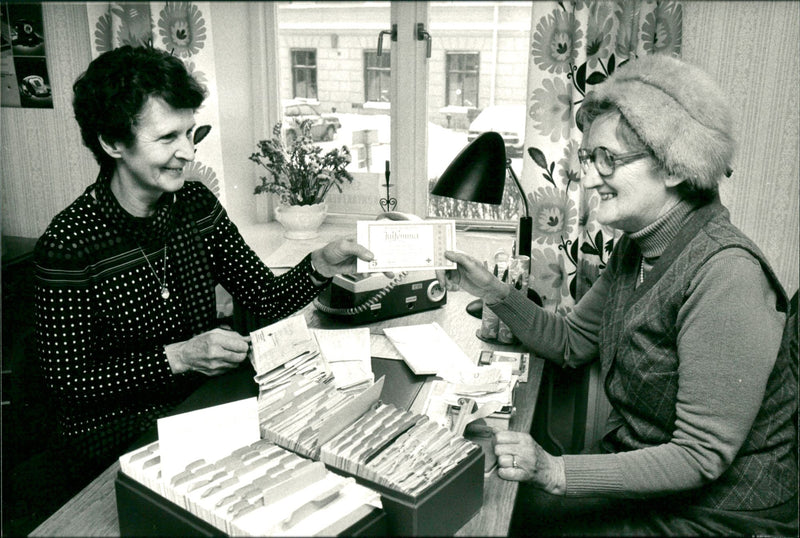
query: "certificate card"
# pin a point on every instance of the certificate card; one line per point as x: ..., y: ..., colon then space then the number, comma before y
x: 406, y: 245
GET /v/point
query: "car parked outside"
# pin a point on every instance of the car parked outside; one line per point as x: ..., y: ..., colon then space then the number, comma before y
x: 323, y: 126
x: 507, y: 120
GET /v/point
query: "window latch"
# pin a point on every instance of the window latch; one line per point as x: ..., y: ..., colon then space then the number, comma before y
x: 423, y: 34
x: 392, y: 33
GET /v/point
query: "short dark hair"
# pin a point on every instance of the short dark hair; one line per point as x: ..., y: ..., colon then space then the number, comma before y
x: 110, y: 94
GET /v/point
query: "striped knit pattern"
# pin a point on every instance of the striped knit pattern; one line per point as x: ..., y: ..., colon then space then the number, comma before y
x: 640, y: 362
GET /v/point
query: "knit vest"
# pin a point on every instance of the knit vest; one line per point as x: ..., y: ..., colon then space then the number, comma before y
x: 640, y: 365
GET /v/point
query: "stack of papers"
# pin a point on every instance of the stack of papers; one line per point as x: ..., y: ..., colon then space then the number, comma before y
x: 288, y: 348
x: 489, y: 387
x: 347, y: 354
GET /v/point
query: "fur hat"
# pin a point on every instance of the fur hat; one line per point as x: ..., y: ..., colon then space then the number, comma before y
x: 677, y: 110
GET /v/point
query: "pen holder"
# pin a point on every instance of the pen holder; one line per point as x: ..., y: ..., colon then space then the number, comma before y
x: 519, y: 271
x: 519, y: 268
x: 489, y: 324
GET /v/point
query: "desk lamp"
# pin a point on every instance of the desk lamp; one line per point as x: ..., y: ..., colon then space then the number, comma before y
x: 478, y: 174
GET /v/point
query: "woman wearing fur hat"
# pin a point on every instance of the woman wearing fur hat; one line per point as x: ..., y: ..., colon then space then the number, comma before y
x: 686, y: 322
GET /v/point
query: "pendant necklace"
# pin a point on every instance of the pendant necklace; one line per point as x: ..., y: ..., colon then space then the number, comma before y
x: 162, y: 285
x: 641, y: 271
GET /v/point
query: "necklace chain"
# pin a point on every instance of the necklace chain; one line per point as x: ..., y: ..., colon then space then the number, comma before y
x: 641, y: 270
x: 162, y: 285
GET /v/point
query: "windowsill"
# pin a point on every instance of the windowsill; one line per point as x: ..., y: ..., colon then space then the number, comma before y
x: 300, y: 101
x: 267, y: 238
x: 376, y: 105
x: 452, y: 109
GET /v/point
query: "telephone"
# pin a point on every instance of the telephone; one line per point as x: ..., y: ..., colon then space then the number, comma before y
x: 367, y: 297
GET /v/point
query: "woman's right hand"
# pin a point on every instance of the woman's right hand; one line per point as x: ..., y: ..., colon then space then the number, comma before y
x: 471, y: 276
x: 210, y: 353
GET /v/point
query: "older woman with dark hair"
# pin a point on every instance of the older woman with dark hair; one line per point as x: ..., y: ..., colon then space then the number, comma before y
x: 686, y: 321
x: 125, y: 299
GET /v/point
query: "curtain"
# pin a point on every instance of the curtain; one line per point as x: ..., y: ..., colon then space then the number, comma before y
x: 184, y: 28
x: 575, y: 45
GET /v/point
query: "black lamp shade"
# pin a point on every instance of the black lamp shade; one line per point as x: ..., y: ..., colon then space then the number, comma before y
x: 478, y: 173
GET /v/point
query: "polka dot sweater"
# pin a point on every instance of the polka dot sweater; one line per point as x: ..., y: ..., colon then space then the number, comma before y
x: 101, y: 320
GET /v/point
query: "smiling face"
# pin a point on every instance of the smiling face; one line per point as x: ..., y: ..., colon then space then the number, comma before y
x: 153, y: 164
x: 636, y: 193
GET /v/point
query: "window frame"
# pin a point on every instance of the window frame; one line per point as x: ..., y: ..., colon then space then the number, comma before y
x: 308, y: 69
x: 409, y: 100
x: 383, y: 73
x: 462, y: 74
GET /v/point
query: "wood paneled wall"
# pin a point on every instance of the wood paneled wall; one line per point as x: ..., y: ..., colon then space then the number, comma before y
x: 44, y: 164
x: 749, y: 47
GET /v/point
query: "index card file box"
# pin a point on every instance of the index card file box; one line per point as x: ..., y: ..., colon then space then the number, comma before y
x: 257, y: 489
x: 442, y: 509
x: 142, y: 512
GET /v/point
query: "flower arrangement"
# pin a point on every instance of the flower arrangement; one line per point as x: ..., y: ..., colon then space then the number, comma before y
x: 301, y: 174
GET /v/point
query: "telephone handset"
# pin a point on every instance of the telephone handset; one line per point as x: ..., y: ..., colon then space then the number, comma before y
x: 366, y: 297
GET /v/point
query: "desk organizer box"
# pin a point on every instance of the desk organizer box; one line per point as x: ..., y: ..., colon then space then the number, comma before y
x: 439, y: 505
x: 260, y: 489
x: 442, y: 509
x: 149, y: 506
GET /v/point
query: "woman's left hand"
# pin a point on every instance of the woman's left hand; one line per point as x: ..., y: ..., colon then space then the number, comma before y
x: 339, y: 257
x: 522, y: 459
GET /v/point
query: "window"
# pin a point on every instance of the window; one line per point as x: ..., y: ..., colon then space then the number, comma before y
x: 462, y: 78
x: 404, y: 108
x: 376, y: 76
x: 304, y: 73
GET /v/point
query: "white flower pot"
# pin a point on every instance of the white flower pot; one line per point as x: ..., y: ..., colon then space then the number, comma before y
x: 301, y: 221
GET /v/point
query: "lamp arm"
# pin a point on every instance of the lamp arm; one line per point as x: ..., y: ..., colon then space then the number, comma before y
x: 519, y: 187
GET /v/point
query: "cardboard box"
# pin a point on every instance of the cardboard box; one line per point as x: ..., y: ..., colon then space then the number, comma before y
x: 143, y: 512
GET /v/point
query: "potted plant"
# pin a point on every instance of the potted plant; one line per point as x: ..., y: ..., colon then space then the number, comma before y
x: 300, y: 175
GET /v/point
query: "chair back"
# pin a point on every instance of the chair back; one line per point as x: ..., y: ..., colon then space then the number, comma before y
x: 789, y: 343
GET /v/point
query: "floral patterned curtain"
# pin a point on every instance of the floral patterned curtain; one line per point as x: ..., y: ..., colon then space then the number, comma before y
x: 575, y: 45
x: 184, y: 28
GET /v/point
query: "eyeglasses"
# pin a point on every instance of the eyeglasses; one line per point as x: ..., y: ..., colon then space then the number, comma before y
x: 604, y: 161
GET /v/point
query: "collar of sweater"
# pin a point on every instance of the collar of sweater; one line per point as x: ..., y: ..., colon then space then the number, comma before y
x: 653, y: 239
x: 142, y: 229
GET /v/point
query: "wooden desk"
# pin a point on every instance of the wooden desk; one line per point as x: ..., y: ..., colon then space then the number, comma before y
x: 93, y: 511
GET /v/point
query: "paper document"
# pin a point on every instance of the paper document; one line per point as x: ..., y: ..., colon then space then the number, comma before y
x: 427, y: 349
x: 208, y: 434
x: 406, y: 245
x: 347, y: 352
x: 276, y: 344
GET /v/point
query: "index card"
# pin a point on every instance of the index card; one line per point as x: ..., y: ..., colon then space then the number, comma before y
x: 406, y: 245
x: 277, y: 344
x: 347, y: 352
x: 209, y: 434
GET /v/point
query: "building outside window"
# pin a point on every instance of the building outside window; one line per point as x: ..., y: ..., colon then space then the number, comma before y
x: 462, y: 78
x: 304, y: 74
x: 471, y: 68
x: 376, y: 76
